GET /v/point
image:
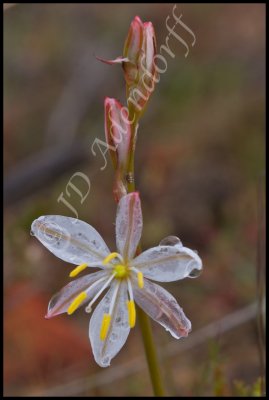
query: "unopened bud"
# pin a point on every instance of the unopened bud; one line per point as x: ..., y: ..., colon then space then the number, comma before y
x: 147, y: 64
x: 140, y: 91
x: 117, y: 131
x: 134, y: 40
x: 138, y: 64
x: 132, y: 51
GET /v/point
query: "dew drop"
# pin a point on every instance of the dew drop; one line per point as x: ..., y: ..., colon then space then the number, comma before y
x: 53, y: 301
x: 171, y: 241
x: 106, y: 361
x: 107, y: 300
x: 114, y: 337
x: 195, y: 273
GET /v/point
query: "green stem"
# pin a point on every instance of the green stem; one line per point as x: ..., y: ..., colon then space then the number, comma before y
x: 130, y: 163
x: 144, y: 322
x: 151, y: 354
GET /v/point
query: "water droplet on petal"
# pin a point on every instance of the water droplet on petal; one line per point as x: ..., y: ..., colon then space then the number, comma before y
x: 106, y: 361
x: 195, y: 273
x: 171, y: 241
x: 53, y: 301
x: 114, y: 337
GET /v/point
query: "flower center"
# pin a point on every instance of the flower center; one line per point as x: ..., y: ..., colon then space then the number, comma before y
x: 121, y: 271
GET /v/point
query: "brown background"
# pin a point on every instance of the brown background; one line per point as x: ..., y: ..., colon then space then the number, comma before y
x: 199, y: 170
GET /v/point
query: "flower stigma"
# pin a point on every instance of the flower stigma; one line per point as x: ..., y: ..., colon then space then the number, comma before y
x: 121, y: 271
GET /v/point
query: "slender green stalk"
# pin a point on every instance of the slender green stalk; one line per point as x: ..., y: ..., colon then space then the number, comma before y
x: 260, y: 283
x: 144, y: 322
x: 130, y: 164
x: 151, y: 354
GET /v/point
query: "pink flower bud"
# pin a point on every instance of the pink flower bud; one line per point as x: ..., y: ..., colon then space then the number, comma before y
x: 131, y: 52
x: 138, y: 64
x: 140, y: 90
x: 147, y: 66
x: 134, y: 40
x: 117, y: 131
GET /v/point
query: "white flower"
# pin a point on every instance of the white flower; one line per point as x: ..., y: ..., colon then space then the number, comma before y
x: 122, y: 273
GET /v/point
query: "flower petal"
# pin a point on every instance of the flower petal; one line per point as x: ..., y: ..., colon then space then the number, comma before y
x: 118, y: 60
x: 147, y: 62
x: 70, y: 239
x: 129, y: 224
x: 161, y: 306
x: 61, y: 301
x: 105, y: 350
x: 134, y: 40
x: 167, y: 263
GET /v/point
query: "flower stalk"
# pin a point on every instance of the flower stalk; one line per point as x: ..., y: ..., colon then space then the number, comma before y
x: 151, y: 354
x: 139, y: 50
x: 144, y: 322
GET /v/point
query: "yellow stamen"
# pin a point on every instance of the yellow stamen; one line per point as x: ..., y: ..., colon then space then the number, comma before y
x: 77, y: 270
x: 105, y: 326
x: 76, y: 302
x: 110, y: 257
x: 131, y: 312
x: 140, y: 279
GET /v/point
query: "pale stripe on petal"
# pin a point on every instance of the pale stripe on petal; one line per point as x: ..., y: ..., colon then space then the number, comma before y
x: 70, y: 239
x: 61, y: 301
x: 167, y: 263
x: 129, y: 224
x: 161, y: 306
x: 105, y: 350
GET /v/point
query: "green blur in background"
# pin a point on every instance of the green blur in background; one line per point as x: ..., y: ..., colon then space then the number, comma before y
x: 200, y: 166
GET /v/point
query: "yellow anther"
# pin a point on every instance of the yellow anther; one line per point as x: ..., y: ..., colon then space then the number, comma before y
x: 76, y: 302
x: 77, y: 270
x: 131, y: 312
x: 140, y: 279
x: 105, y: 326
x: 110, y: 257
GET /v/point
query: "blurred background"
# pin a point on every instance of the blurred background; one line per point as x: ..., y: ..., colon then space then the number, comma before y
x: 200, y: 167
